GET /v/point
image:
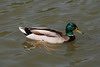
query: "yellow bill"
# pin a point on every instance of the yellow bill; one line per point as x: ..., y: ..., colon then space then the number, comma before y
x: 78, y: 31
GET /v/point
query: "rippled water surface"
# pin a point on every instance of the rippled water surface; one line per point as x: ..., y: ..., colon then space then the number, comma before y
x: 83, y: 52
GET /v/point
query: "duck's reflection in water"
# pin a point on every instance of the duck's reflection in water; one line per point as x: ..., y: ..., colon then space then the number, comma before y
x: 30, y: 44
x: 52, y: 47
x: 69, y: 46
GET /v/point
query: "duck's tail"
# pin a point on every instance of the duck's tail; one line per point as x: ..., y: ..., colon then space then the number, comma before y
x: 25, y: 30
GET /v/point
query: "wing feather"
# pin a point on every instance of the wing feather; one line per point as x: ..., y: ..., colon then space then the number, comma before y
x: 45, y: 31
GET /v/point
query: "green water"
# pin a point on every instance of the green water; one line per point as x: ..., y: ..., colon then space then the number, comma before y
x: 83, y: 52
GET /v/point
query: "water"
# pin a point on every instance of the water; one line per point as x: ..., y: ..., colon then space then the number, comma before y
x: 83, y: 52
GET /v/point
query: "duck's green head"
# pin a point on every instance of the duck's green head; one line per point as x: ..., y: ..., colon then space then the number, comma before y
x: 70, y: 27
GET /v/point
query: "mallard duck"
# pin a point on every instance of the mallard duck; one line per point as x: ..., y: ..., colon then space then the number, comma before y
x: 50, y: 35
